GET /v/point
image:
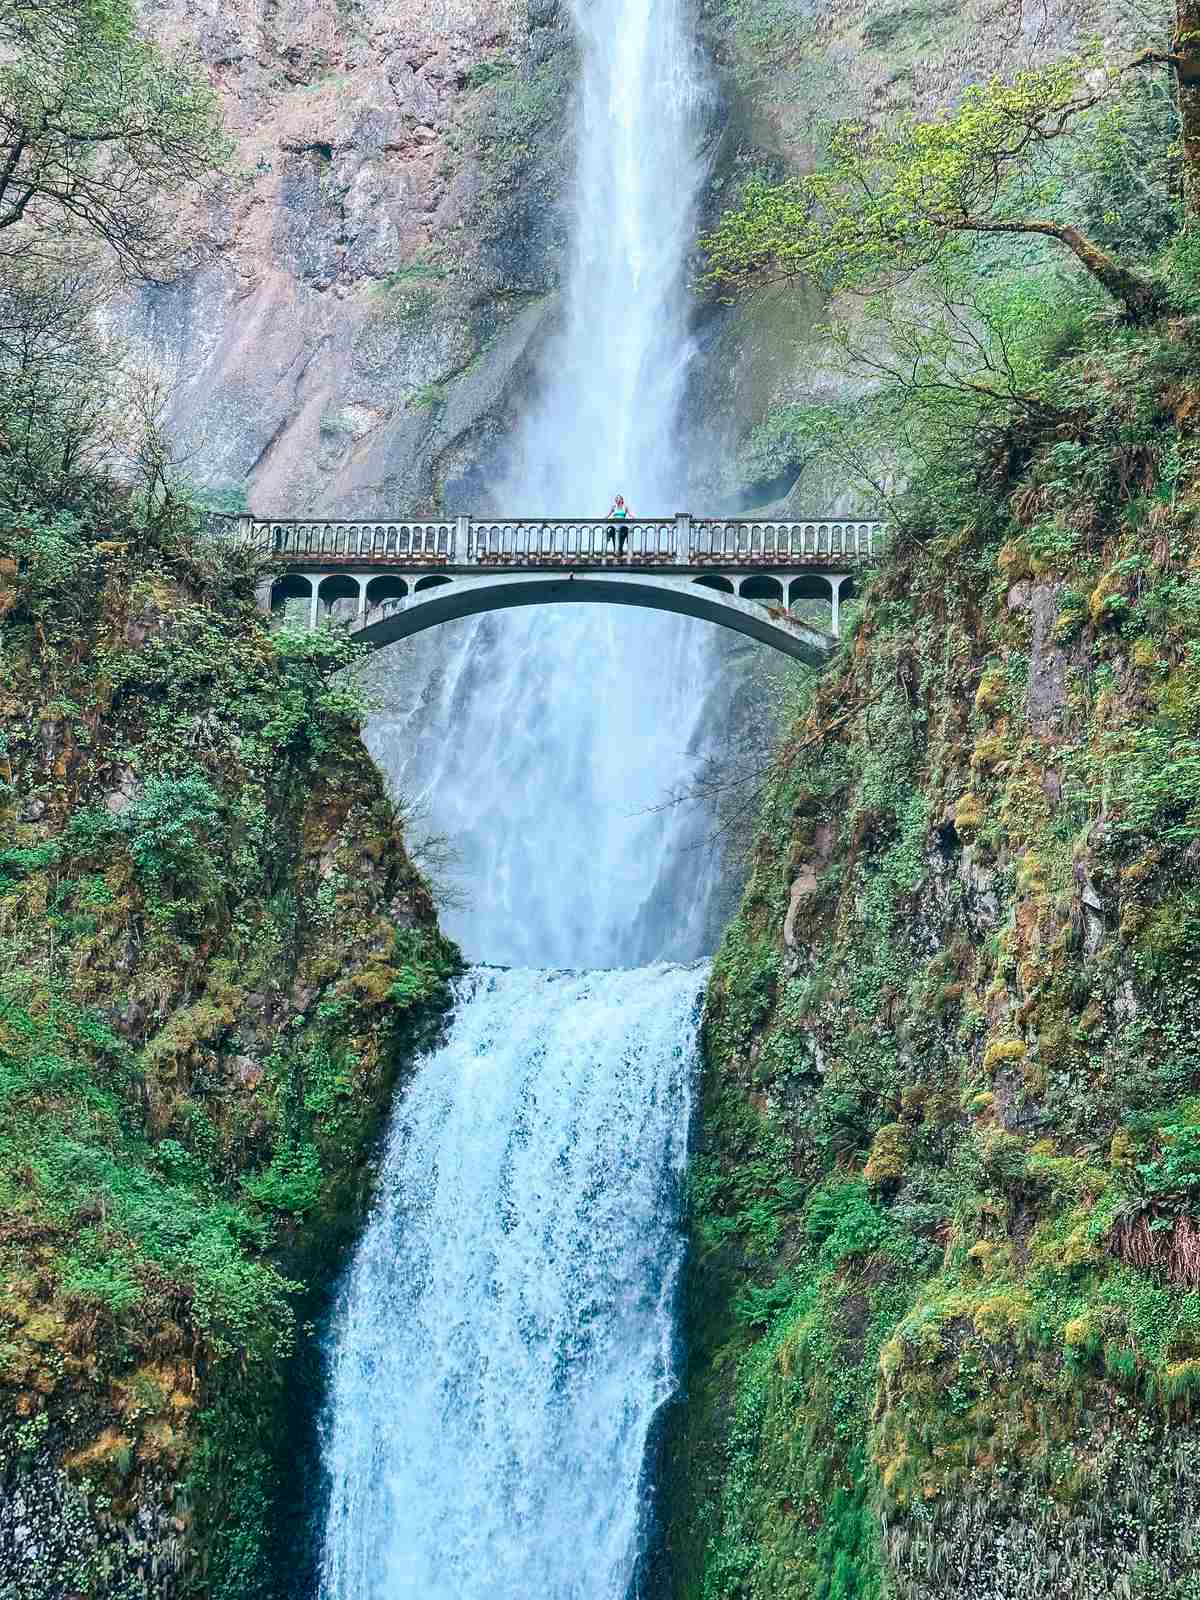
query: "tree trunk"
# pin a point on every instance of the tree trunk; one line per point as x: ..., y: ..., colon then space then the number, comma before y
x: 1144, y: 298
x: 1185, y: 48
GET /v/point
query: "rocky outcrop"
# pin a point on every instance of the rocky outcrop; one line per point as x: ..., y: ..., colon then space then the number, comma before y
x: 385, y: 261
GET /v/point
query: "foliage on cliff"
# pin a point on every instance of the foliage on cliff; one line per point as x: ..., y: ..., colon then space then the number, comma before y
x: 215, y: 957
x: 100, y: 130
x: 944, y: 1302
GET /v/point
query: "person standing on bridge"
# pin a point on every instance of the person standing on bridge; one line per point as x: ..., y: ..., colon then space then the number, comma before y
x: 618, y: 513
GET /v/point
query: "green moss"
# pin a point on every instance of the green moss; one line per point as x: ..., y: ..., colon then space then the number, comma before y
x: 215, y: 958
x: 944, y: 1299
x: 885, y: 1163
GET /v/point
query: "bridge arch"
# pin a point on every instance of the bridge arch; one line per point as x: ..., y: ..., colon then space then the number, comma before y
x: 387, y: 586
x: 398, y: 576
x: 338, y: 596
x: 450, y: 597
x: 292, y: 586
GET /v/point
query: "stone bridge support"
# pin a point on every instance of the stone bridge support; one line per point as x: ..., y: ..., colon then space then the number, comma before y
x: 383, y: 606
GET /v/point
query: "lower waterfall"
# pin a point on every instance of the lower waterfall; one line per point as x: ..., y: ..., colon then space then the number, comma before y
x: 505, y: 1335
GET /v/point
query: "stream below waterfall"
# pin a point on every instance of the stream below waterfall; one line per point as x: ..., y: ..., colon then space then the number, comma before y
x: 505, y: 1335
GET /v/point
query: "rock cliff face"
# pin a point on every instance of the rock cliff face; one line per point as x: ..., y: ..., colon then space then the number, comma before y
x: 385, y: 265
x: 215, y: 961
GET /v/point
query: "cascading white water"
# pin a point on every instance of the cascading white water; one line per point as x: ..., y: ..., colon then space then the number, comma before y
x: 505, y: 1335
x: 544, y: 738
x: 504, y: 1338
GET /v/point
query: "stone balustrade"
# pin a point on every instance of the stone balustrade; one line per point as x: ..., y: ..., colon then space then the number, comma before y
x: 680, y: 540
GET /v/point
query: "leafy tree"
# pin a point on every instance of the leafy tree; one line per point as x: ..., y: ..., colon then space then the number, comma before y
x: 98, y: 129
x: 894, y: 200
x: 58, y: 372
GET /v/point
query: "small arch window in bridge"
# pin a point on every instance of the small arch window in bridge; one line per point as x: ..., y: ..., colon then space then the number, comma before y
x: 291, y: 594
x: 713, y: 582
x: 385, y: 593
x: 338, y: 597
x: 429, y: 583
x: 760, y: 587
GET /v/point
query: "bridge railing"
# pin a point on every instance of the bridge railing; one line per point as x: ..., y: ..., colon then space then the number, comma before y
x: 679, y: 540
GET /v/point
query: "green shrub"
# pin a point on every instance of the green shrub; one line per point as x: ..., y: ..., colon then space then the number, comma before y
x: 842, y: 1220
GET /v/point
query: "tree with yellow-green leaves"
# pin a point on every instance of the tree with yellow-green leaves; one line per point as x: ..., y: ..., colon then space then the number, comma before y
x: 892, y: 200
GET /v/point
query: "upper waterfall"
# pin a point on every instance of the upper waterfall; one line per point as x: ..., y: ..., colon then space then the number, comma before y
x: 543, y: 741
x: 606, y: 419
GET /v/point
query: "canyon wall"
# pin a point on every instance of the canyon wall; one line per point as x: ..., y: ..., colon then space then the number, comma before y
x: 383, y: 270
x: 216, y: 961
x: 942, y: 1319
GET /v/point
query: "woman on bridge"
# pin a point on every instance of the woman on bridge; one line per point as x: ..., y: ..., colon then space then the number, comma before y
x: 618, y: 513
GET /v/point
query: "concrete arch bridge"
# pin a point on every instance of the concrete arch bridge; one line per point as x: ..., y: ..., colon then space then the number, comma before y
x: 390, y: 578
